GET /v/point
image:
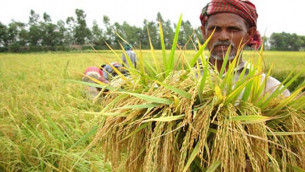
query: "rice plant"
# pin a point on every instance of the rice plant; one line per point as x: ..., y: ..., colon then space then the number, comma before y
x: 43, y: 126
x: 174, y: 117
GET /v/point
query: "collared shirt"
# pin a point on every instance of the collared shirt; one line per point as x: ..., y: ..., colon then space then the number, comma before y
x: 271, y: 84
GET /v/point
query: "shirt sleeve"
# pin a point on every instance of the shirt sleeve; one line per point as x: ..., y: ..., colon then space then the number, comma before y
x: 272, y: 84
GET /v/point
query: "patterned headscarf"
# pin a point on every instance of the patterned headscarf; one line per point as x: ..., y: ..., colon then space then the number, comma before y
x: 243, y: 8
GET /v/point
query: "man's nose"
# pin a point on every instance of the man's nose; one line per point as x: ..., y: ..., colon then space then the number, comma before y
x: 224, y: 35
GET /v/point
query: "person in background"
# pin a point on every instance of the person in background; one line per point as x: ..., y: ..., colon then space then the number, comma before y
x: 103, y: 74
x: 131, y: 54
x: 108, y: 71
x: 96, y: 73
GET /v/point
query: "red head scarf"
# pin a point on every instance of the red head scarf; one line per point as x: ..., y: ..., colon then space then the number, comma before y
x: 243, y: 8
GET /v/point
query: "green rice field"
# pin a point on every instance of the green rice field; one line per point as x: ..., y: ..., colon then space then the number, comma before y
x: 45, y: 119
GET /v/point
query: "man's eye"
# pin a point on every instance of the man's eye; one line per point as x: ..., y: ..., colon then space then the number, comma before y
x: 212, y: 28
x: 234, y: 29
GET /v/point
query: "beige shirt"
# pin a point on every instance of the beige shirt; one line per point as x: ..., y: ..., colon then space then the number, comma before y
x: 271, y: 85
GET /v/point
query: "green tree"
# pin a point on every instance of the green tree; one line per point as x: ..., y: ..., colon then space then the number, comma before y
x: 14, y: 33
x: 34, y: 29
x: 131, y: 33
x: 70, y: 31
x: 151, y: 28
x: 286, y: 42
x: 47, y: 18
x: 62, y: 31
x: 186, y: 34
x: 16, y: 36
x: 82, y: 33
x: 117, y: 28
x: 97, y: 35
x: 278, y: 41
x: 198, y: 36
x: 34, y: 18
x: 295, y: 42
x: 49, y: 32
x: 23, y: 35
x: 168, y: 32
x: 108, y: 35
x: 3, y: 35
x: 303, y: 46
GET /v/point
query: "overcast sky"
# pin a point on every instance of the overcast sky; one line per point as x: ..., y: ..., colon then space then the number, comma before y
x: 274, y: 15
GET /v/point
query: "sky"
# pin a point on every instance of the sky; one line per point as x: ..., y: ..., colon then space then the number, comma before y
x: 274, y: 15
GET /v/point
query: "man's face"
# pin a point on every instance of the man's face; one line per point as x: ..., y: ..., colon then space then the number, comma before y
x: 230, y: 29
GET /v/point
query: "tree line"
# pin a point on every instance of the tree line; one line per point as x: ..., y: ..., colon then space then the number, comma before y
x: 41, y: 34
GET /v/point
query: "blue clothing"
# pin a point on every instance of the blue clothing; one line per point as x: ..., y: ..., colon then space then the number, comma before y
x: 132, y: 56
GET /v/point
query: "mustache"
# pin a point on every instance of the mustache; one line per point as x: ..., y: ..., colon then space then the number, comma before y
x: 223, y: 43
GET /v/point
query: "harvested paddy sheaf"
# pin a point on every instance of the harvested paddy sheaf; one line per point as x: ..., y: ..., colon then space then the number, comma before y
x: 166, y: 118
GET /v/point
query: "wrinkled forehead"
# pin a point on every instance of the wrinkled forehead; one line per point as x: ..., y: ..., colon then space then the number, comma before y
x: 226, y: 19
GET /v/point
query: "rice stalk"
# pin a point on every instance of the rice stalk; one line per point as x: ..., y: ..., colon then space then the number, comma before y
x: 202, y: 119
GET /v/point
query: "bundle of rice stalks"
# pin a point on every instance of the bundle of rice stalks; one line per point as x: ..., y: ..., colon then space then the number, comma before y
x: 199, y: 119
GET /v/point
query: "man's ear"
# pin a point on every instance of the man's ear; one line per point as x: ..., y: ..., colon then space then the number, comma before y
x: 203, y: 32
x: 251, y: 32
x: 254, y: 38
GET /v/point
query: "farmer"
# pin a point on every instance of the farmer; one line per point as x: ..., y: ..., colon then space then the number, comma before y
x: 234, y: 22
x: 97, y: 74
x: 108, y: 71
x: 103, y: 74
x: 131, y: 54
